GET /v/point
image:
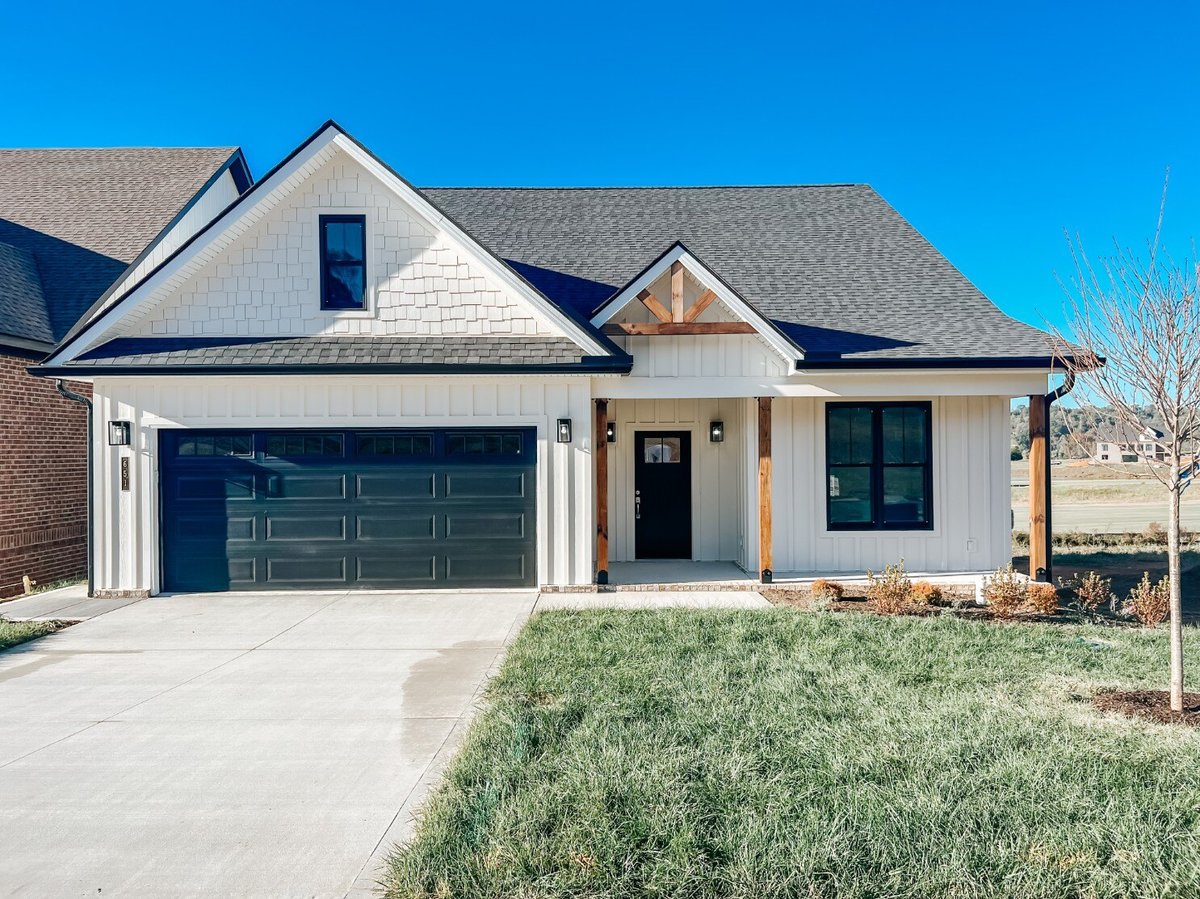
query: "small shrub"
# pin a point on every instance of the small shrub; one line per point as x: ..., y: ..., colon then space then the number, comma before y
x: 1041, y: 598
x: 1090, y: 593
x: 1155, y: 533
x: 889, y: 592
x: 926, y: 594
x: 826, y: 590
x: 1149, y: 603
x: 1004, y: 592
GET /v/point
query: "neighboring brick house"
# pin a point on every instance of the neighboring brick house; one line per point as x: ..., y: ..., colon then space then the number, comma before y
x: 74, y: 226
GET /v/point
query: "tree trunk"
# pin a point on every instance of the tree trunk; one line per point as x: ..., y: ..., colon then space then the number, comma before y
x: 1173, y: 566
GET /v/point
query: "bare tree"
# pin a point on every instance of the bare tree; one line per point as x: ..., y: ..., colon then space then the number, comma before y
x: 1133, y: 340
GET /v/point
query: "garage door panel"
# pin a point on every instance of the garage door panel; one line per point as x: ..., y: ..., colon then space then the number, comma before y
x: 384, y: 527
x: 486, y: 524
x: 305, y: 527
x: 385, y: 508
x: 468, y: 484
x: 474, y: 568
x: 410, y: 569
x: 306, y: 570
x: 219, y: 487
x: 306, y: 486
x: 396, y: 485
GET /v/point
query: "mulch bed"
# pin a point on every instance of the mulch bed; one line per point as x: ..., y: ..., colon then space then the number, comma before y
x: 959, y: 601
x: 1153, y: 705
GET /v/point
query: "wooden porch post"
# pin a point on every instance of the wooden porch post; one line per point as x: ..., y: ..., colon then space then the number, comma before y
x: 600, y: 457
x: 764, y: 489
x: 1039, y: 479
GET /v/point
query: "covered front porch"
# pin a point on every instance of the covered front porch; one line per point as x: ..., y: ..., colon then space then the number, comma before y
x: 683, y: 490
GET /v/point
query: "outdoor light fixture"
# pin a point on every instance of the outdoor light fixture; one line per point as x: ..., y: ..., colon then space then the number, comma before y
x: 118, y: 433
x: 612, y: 432
x: 564, y: 430
x: 716, y: 431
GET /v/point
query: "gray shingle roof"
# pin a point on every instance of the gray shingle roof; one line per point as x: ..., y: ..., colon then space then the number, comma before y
x: 85, y: 215
x: 428, y: 351
x: 22, y: 306
x: 835, y: 266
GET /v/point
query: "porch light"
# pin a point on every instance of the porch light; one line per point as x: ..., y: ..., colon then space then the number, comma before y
x: 118, y: 433
x: 612, y: 432
x: 564, y: 430
x: 716, y: 431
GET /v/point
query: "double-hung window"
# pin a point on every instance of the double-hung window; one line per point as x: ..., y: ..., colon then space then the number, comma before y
x: 879, y: 473
x: 343, y: 262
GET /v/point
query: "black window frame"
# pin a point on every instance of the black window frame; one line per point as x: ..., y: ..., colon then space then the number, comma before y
x: 877, y: 467
x: 341, y: 219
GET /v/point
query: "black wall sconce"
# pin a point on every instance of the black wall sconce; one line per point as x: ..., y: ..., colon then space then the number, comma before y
x: 611, y: 432
x: 118, y: 433
x: 564, y: 430
x: 716, y: 431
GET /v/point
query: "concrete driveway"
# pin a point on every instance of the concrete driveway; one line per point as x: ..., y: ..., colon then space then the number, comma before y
x: 234, y: 745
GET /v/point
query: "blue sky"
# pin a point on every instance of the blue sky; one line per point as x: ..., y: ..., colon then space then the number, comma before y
x: 990, y: 128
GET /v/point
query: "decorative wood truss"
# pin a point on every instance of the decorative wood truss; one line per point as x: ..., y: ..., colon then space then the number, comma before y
x: 677, y: 320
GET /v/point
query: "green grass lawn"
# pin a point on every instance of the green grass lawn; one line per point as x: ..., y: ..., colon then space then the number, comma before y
x: 14, y: 632
x: 783, y: 753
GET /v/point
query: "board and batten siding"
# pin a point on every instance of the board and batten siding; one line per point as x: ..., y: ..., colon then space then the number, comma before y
x: 717, y: 486
x: 126, y: 549
x: 971, y: 494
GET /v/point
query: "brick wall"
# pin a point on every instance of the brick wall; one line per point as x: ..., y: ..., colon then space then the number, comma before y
x: 43, y: 479
x: 267, y: 281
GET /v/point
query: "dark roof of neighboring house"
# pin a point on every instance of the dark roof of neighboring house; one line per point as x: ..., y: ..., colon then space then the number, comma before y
x: 208, y: 355
x: 1125, y: 433
x: 83, y: 216
x: 834, y: 266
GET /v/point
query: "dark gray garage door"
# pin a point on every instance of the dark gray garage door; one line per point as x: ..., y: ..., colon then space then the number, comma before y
x: 255, y: 510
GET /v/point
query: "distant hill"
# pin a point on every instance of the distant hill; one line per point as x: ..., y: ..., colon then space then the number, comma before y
x: 1073, y: 429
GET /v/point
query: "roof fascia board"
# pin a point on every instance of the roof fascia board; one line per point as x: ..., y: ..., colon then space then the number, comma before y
x: 468, y: 245
x: 702, y: 273
x: 24, y: 346
x: 958, y: 364
x: 600, y: 365
x: 211, y: 235
x: 236, y: 166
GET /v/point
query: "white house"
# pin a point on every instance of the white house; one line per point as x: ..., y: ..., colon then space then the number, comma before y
x: 1123, y: 443
x: 343, y: 380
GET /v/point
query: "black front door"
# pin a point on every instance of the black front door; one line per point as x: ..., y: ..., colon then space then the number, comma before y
x: 662, y: 500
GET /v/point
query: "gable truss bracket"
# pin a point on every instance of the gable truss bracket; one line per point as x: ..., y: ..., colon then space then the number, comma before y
x: 677, y: 320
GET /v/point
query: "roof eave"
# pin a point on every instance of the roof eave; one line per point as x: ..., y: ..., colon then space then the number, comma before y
x: 593, y: 365
x: 946, y: 362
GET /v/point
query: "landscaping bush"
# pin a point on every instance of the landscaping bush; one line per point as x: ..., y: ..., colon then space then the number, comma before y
x: 1155, y: 533
x: 826, y: 590
x: 1149, y: 603
x: 1090, y: 593
x: 1041, y: 598
x: 1005, y: 592
x: 926, y: 594
x: 891, y: 591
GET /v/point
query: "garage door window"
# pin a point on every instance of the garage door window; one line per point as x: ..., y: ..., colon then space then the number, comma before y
x: 394, y: 445
x: 285, y: 445
x: 484, y: 443
x: 215, y: 445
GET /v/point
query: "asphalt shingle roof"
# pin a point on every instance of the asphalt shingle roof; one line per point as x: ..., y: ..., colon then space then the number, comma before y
x: 202, y: 352
x: 22, y: 305
x: 84, y: 216
x: 835, y: 266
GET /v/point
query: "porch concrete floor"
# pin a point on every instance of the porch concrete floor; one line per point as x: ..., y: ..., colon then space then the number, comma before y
x: 676, y: 571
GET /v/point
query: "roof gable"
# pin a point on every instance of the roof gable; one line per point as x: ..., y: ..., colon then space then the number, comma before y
x: 252, y: 270
x: 834, y: 267
x: 86, y: 215
x: 703, y: 298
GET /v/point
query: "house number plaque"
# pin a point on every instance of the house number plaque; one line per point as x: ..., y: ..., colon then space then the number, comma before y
x: 125, y: 473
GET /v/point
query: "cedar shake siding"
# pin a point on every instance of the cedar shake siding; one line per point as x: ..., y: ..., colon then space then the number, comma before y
x: 43, y: 479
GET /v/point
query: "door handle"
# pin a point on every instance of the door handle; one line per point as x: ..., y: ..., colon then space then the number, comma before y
x: 637, y: 504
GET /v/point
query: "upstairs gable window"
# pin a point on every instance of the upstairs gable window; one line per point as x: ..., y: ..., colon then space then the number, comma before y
x: 343, y: 262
